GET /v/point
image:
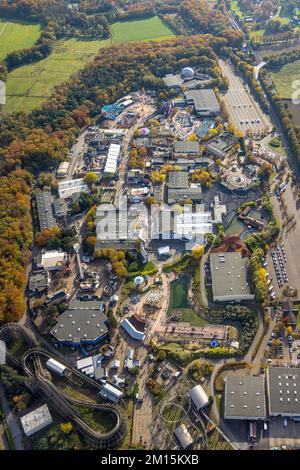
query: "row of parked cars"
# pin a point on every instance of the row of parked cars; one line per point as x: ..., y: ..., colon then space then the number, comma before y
x: 275, y: 335
x: 269, y: 281
x: 279, y: 261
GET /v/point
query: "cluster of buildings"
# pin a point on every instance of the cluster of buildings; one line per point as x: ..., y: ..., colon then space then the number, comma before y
x: 104, y: 147
x: 50, y: 211
x: 191, y: 85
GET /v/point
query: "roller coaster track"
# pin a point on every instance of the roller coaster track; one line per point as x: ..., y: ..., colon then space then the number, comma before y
x: 31, y: 365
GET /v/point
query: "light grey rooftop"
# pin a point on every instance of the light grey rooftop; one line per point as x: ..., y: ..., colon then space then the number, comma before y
x: 244, y: 397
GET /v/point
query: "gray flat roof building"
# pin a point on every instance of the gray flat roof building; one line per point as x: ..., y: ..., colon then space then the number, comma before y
x: 173, y: 81
x: 186, y: 147
x: 181, y: 194
x: 82, y: 323
x: 178, y: 179
x: 230, y: 277
x: 204, y: 101
x: 244, y: 397
x: 44, y: 209
x: 38, y: 282
x: 179, y: 189
x: 283, y: 387
x: 60, y: 207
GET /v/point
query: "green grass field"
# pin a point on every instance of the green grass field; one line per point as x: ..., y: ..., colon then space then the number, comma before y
x: 179, y: 302
x: 140, y: 30
x: 284, y: 78
x: 31, y: 85
x: 16, y: 36
x: 236, y: 9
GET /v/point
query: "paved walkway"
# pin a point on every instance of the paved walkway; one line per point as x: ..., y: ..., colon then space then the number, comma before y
x: 204, y: 259
x: 3, y: 29
x: 11, y: 422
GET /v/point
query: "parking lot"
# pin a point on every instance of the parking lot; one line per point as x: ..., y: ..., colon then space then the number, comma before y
x: 244, y: 111
x: 279, y: 261
x: 281, y: 434
x: 277, y: 266
x: 278, y: 346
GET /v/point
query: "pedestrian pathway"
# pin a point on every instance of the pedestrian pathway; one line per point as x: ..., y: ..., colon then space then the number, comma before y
x: 11, y: 421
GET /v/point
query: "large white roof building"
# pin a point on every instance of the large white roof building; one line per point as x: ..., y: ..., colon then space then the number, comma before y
x: 198, y: 397
x: 68, y: 188
x: 192, y: 226
x: 36, y: 420
x: 51, y: 260
x: 112, y: 159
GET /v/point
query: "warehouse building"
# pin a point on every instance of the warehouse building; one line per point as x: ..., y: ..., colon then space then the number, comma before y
x: 67, y: 189
x: 82, y: 324
x: 44, y: 210
x: 111, y: 393
x: 192, y: 227
x: 186, y: 147
x: 62, y: 169
x: 204, y: 101
x: 283, y: 387
x: 112, y: 159
x: 179, y: 189
x: 244, y: 398
x: 230, y: 277
x: 36, y: 420
x: 183, y: 437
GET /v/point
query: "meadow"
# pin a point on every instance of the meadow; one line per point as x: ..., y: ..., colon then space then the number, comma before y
x: 284, y: 78
x: 140, y: 30
x: 30, y: 85
x: 15, y: 36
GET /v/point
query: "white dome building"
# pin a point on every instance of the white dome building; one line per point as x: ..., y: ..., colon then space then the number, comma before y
x: 187, y: 72
x: 139, y: 281
x: 198, y: 397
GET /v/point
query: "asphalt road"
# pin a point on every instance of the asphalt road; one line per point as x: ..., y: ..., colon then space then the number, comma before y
x: 242, y: 106
x: 75, y: 156
x: 11, y: 421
